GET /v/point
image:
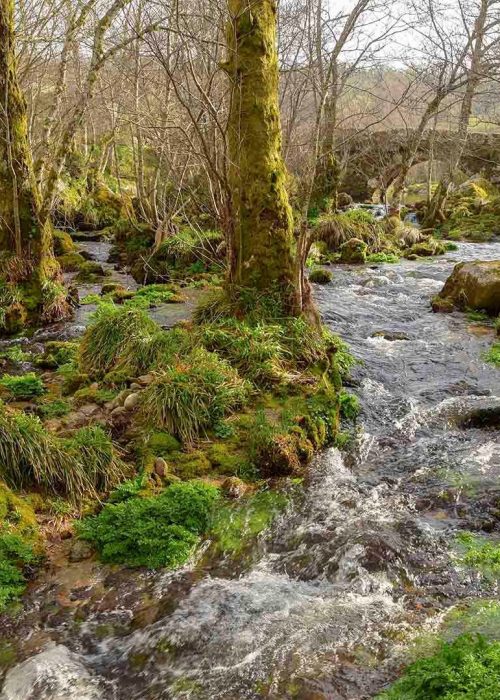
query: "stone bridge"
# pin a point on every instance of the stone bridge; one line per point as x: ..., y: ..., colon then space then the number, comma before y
x: 375, y: 155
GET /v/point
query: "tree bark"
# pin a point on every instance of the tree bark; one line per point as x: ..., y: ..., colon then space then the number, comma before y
x: 263, y: 248
x: 25, y: 238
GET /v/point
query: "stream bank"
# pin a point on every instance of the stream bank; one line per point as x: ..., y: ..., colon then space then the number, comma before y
x: 349, y: 573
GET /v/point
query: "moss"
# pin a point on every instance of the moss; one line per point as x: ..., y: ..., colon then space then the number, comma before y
x: 189, y: 465
x: 263, y: 240
x: 162, y: 443
x: 320, y: 276
x: 52, y: 408
x: 382, y: 258
x: 427, y: 248
x: 480, y: 553
x: 227, y: 459
x: 71, y: 262
x: 57, y: 353
x: 63, y: 243
x: 156, y: 531
x: 20, y: 545
x: 468, y: 667
x: 442, y: 305
x: 91, y: 271
x: 92, y: 394
x: 237, y: 525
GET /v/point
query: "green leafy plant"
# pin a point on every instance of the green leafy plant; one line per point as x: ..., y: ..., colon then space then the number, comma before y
x: 25, y: 386
x: 467, y: 668
x: 479, y: 553
x: 156, y: 531
x: 493, y: 354
x: 349, y: 405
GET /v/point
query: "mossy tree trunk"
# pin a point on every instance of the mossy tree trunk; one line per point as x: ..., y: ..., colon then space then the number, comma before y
x: 263, y: 251
x: 25, y: 239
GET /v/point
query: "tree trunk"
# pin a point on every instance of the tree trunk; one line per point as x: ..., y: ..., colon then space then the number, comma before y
x: 263, y: 248
x: 435, y: 209
x: 25, y: 239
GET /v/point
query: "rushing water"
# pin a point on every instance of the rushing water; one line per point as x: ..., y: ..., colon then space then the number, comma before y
x: 355, y: 567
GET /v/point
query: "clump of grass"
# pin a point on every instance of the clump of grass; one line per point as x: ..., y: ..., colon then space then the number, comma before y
x: 57, y: 353
x: 468, y: 667
x: 159, y: 294
x: 105, y: 339
x: 155, y: 531
x: 193, y: 395
x: 493, y: 354
x: 75, y: 467
x: 53, y: 408
x: 25, y: 386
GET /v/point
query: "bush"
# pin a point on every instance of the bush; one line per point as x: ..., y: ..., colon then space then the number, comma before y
x: 156, y: 531
x: 320, y: 276
x: 25, y: 386
x: 193, y: 395
x: 467, y: 668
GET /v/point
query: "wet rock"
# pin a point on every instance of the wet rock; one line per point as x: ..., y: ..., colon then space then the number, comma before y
x: 131, y: 401
x: 234, y: 487
x: 473, y: 285
x: 53, y: 673
x: 145, y: 379
x: 391, y: 335
x: 80, y: 551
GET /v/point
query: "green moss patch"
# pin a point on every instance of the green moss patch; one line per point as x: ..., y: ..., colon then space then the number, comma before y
x: 236, y: 525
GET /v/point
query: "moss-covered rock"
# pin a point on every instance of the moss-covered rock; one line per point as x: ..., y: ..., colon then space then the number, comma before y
x: 91, y: 271
x: 71, y: 262
x: 63, y: 243
x: 473, y: 285
x: 427, y: 248
x: 353, y: 252
x: 320, y: 276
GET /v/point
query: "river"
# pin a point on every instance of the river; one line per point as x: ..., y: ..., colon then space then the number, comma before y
x: 354, y: 569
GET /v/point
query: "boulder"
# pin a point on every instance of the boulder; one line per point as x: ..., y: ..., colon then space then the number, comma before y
x: 353, y: 252
x: 471, y: 285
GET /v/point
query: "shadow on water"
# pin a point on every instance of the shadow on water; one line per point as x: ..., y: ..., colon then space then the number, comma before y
x: 355, y: 567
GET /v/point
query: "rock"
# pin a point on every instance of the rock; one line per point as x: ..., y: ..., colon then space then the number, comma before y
x: 80, y: 551
x: 471, y: 285
x: 161, y: 467
x: 344, y: 199
x: 390, y: 335
x: 120, y: 399
x: 353, y: 252
x: 234, y: 487
x: 145, y: 379
x: 320, y: 276
x: 131, y: 401
x: 135, y: 387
